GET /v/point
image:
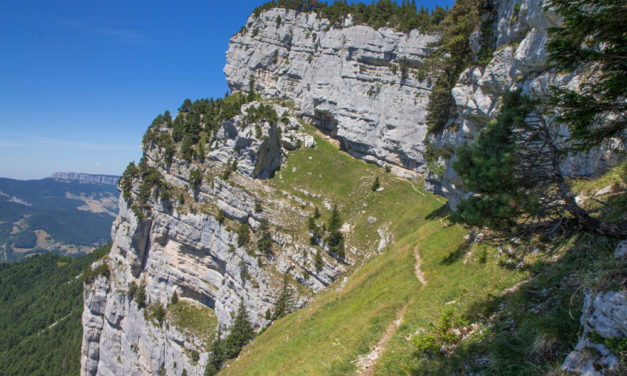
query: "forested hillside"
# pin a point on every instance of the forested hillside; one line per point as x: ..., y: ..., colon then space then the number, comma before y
x: 47, y: 215
x: 41, y: 303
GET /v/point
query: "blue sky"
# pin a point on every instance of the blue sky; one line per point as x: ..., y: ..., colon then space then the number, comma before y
x: 81, y: 80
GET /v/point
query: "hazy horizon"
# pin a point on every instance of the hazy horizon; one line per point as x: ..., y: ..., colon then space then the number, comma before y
x: 84, y: 80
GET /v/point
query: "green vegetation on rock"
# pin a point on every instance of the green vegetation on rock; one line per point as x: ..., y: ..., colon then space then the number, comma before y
x: 40, y: 314
x: 381, y: 13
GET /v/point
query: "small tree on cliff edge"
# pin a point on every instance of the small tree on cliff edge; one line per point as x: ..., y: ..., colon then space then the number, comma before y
x: 514, y: 171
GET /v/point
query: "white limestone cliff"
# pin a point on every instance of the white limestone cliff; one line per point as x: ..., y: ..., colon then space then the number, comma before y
x: 519, y: 61
x: 348, y: 81
x: 177, y: 249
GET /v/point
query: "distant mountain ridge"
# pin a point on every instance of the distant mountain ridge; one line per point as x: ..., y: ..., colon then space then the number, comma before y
x: 69, y: 215
x: 86, y: 178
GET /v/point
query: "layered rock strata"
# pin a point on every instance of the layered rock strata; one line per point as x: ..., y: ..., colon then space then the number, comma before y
x: 356, y: 83
x: 185, y: 248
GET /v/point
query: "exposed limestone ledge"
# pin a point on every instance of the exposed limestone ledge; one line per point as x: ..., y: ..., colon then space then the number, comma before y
x: 519, y: 61
x: 341, y: 78
x: 604, y: 314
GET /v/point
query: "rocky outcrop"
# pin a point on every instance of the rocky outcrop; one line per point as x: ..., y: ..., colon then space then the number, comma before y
x: 85, y: 178
x: 186, y: 248
x: 355, y: 83
x: 519, y: 61
x: 603, y: 318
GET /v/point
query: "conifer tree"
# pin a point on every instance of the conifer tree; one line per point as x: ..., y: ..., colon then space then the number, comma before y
x: 335, y: 240
x: 593, y: 35
x: 264, y: 244
x: 283, y: 304
x: 240, y: 333
x: 243, y: 234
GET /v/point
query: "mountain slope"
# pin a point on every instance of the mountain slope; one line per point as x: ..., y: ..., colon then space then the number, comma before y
x: 253, y: 207
x: 48, y: 215
x: 40, y: 314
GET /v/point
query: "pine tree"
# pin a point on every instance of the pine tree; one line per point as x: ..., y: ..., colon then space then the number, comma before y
x: 319, y: 263
x: 264, y: 244
x: 217, y: 357
x: 376, y: 185
x: 335, y: 222
x: 593, y: 35
x: 243, y: 234
x: 514, y: 171
x: 240, y: 333
x: 140, y: 297
x: 283, y: 305
x: 335, y: 240
x: 175, y: 298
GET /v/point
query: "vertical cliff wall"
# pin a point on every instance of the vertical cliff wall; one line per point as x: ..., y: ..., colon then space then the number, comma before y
x: 187, y: 243
x: 356, y: 83
x: 520, y: 35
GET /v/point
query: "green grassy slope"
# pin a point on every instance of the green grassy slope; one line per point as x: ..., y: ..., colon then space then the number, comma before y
x: 467, y: 318
x: 344, y: 322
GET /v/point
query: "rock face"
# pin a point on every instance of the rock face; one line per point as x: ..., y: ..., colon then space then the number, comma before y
x: 355, y: 83
x: 519, y: 61
x: 186, y: 249
x: 85, y: 178
x: 604, y: 317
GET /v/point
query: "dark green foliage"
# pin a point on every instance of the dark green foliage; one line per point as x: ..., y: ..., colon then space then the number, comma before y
x: 193, y: 127
x: 175, y: 298
x: 404, y: 17
x: 376, y: 185
x: 283, y: 304
x: 243, y: 234
x: 140, y: 296
x: 515, y: 172
x: 228, y: 169
x: 258, y: 207
x: 132, y: 290
x: 151, y: 185
x: 158, y: 313
x: 319, y: 263
x: 36, y: 293
x: 25, y: 239
x: 89, y: 275
x: 221, y: 216
x: 217, y: 356
x: 52, y: 211
x: 240, y: 333
x: 261, y: 113
x: 489, y: 168
x: 264, y: 244
x: 335, y: 240
x: 404, y: 69
x: 593, y: 32
x: 335, y: 221
x: 195, y: 178
x: 316, y: 213
x: 451, y: 58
